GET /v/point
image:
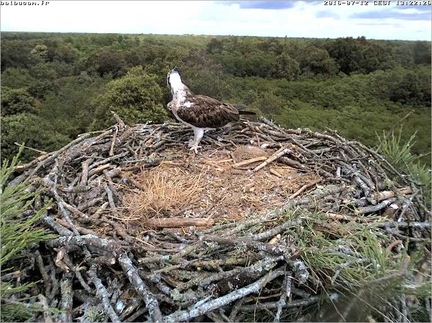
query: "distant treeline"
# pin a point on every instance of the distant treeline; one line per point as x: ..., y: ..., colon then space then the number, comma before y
x: 56, y: 86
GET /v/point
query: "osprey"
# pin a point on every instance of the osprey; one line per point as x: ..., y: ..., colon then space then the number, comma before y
x: 199, y: 112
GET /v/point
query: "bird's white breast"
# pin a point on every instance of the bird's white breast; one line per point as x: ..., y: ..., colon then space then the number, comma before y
x: 188, y: 104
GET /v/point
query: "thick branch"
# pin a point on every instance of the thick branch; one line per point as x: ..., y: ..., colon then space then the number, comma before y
x: 184, y: 315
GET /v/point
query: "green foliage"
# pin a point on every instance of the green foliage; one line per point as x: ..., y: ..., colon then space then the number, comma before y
x: 15, y: 53
x: 70, y: 111
x: 38, y: 55
x: 357, y: 86
x: 64, y: 53
x: 414, y: 88
x: 19, y: 232
x: 286, y: 67
x: 358, y: 273
x: 399, y: 154
x: 109, y: 61
x: 354, y: 85
x: 268, y: 103
x: 32, y: 130
x: 44, y: 80
x: 202, y: 74
x: 136, y: 97
x: 359, y: 55
x: 422, y: 52
x: 15, y: 101
x: 43, y: 71
x: 317, y: 61
x: 16, y: 78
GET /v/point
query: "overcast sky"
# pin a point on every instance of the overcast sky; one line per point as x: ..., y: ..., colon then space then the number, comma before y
x: 257, y: 18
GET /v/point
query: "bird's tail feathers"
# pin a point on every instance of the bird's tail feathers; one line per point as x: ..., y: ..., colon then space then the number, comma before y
x: 244, y: 112
x: 239, y: 106
x: 242, y: 109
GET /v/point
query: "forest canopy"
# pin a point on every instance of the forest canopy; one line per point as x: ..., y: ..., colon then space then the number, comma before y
x: 55, y: 86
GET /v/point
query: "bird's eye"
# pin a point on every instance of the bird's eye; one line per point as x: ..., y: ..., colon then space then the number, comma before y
x: 168, y: 80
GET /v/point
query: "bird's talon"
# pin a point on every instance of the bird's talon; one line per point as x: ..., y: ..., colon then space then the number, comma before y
x: 195, y: 148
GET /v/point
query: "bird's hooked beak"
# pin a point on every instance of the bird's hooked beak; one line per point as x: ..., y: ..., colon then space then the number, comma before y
x: 173, y: 78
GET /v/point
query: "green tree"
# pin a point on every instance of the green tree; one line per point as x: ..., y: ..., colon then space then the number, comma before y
x: 31, y: 130
x: 70, y: 109
x: 317, y: 61
x: 15, y: 53
x: 203, y: 74
x: 110, y: 61
x: 19, y: 233
x: 45, y: 77
x: 347, y: 53
x: 413, y: 89
x: 39, y: 54
x: 286, y: 67
x: 422, y: 52
x: 136, y: 98
x: 269, y: 104
x: 16, y: 78
x: 15, y: 101
x: 215, y: 46
x: 65, y: 53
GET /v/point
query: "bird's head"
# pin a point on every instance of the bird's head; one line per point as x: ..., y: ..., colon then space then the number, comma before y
x: 174, y: 81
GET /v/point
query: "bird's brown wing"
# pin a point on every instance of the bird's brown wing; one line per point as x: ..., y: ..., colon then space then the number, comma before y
x: 206, y: 112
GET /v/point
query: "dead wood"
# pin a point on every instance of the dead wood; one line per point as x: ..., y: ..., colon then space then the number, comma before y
x: 201, y: 257
x: 177, y: 222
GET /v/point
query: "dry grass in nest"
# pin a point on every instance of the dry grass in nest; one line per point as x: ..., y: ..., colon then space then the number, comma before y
x: 164, y: 191
x: 208, y: 186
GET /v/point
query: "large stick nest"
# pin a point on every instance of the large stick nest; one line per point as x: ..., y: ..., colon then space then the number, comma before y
x: 265, y: 224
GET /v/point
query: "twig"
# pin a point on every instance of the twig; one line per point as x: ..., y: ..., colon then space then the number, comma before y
x: 286, y: 287
x: 249, y: 161
x: 43, y: 272
x: 46, y: 312
x: 178, y: 222
x: 107, y: 160
x: 55, y: 154
x: 235, y: 310
x: 85, y: 171
x: 304, y: 188
x: 282, y: 151
x: 56, y: 226
x: 88, y: 239
x: 375, y: 208
x: 77, y: 272
x: 269, y: 306
x: 114, y: 138
x: 54, y: 280
x: 110, y: 197
x: 139, y: 285
x: 33, y: 149
x: 102, y: 293
x: 66, y: 298
x: 418, y: 225
x: 184, y: 315
x: 136, y: 315
x: 257, y: 268
x: 118, y: 120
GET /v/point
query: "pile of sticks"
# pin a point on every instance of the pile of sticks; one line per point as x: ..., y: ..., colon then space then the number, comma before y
x: 100, y: 269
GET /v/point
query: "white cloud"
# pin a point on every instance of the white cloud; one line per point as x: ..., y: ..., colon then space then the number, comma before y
x: 207, y: 17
